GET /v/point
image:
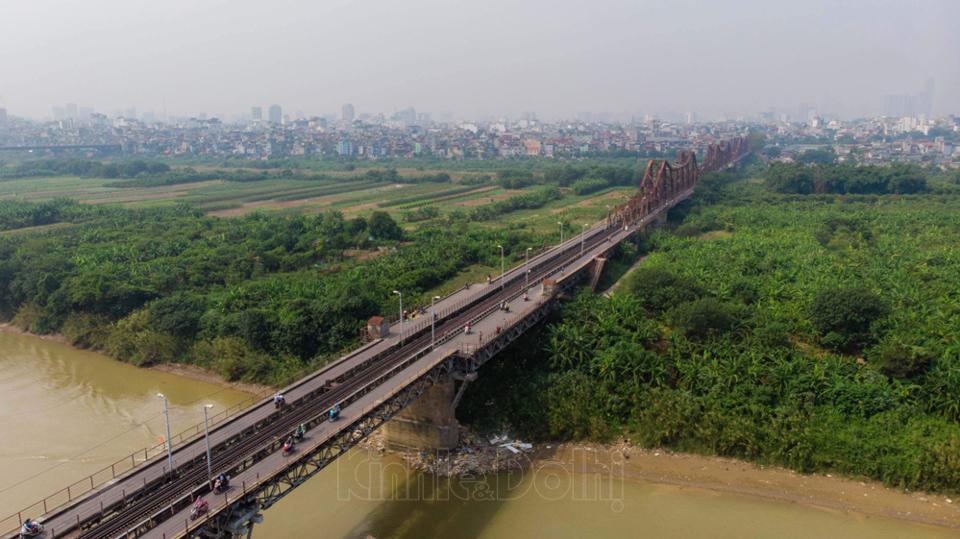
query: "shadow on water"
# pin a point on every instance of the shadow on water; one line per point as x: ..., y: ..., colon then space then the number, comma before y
x: 417, y: 505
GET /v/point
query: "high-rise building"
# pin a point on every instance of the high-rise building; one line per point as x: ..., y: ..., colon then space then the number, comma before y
x: 275, y: 114
x: 72, y: 111
x: 903, y: 105
x: 407, y: 116
x: 256, y: 114
x: 347, y: 113
x: 926, y: 99
x: 3, y: 118
x: 899, y: 105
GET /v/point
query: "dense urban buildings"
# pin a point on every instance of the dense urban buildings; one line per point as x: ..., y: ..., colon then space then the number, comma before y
x: 410, y: 135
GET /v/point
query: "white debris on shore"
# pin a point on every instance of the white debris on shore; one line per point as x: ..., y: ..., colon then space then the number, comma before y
x: 473, y: 456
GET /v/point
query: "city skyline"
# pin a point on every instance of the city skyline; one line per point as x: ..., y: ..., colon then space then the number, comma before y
x: 653, y: 57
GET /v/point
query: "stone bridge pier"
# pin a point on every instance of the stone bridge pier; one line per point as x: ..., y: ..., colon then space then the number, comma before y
x: 430, y: 421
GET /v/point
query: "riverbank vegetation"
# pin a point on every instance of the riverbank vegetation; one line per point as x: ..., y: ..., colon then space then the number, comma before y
x: 261, y: 298
x: 818, y: 332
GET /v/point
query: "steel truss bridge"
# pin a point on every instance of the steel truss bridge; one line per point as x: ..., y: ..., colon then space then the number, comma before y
x: 372, y: 384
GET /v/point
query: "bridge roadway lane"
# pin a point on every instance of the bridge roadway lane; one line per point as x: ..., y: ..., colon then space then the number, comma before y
x: 179, y: 524
x: 90, y: 504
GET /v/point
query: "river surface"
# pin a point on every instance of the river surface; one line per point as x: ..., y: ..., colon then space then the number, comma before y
x: 65, y: 413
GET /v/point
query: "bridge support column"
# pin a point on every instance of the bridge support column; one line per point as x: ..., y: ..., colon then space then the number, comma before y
x: 596, y: 271
x: 427, y: 423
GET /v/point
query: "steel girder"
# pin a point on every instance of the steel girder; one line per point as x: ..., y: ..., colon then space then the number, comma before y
x: 663, y: 180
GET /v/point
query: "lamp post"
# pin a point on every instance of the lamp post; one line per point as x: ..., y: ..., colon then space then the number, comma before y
x: 397, y: 292
x: 166, y: 413
x: 501, y: 266
x: 582, y: 234
x: 526, y: 268
x: 206, y: 439
x: 433, y: 318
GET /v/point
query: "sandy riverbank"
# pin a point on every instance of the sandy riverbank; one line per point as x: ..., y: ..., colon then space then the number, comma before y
x: 631, y: 463
x: 734, y: 476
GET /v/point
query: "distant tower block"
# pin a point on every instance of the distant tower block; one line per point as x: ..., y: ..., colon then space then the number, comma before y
x: 378, y: 327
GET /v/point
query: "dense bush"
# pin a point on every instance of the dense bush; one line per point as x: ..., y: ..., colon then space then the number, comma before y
x: 530, y: 200
x: 845, y: 317
x: 84, y: 168
x: 659, y: 289
x: 705, y: 317
x: 589, y: 185
x: 845, y: 179
x: 423, y: 213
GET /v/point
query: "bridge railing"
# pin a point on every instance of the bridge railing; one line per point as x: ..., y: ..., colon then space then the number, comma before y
x: 52, y: 502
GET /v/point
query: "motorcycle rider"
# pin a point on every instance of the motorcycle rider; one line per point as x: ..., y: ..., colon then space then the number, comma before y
x: 29, y: 528
x: 220, y: 483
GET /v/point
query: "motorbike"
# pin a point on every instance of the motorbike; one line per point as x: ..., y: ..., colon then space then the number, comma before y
x: 300, y: 432
x: 288, y: 447
x: 199, y: 508
x: 221, y: 484
x: 31, y: 529
x: 334, y: 413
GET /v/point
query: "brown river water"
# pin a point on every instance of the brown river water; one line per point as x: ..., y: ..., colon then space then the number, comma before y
x: 65, y: 413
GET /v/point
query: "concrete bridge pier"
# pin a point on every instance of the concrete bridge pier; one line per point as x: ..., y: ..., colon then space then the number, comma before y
x: 429, y: 422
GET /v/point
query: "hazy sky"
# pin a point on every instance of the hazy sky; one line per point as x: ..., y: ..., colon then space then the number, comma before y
x: 479, y: 57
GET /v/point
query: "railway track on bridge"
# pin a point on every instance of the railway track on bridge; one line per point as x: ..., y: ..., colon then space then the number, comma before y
x: 269, y: 439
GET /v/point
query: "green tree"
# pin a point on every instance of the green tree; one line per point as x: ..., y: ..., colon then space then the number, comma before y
x: 705, y: 317
x: 382, y: 226
x: 659, y: 289
x: 845, y: 316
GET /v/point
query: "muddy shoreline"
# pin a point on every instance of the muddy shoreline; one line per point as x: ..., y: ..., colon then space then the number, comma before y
x: 827, y: 491
x: 476, y: 455
x: 192, y: 372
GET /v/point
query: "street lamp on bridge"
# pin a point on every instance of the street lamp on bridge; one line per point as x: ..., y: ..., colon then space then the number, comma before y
x: 206, y: 439
x: 501, y: 266
x: 526, y: 269
x: 433, y: 318
x: 582, y: 234
x: 397, y: 292
x: 166, y: 414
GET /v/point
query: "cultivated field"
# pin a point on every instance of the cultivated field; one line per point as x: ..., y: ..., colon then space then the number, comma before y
x: 353, y: 198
